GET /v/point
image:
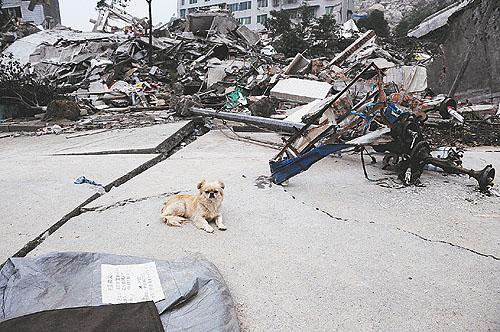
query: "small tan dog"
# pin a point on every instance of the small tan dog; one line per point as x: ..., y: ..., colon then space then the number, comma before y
x: 200, y: 209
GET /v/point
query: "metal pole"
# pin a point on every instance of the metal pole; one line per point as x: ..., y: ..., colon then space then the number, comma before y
x: 150, y: 33
x: 272, y: 124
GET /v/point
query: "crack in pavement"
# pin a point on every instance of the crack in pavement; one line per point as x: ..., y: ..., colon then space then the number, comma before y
x: 399, y: 229
x: 330, y: 215
x: 319, y: 209
x: 124, y: 202
x: 449, y: 243
x: 169, y: 147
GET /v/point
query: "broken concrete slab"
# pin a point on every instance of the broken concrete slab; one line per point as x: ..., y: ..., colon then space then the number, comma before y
x: 203, y: 22
x: 287, y: 256
x: 41, y: 190
x: 382, y: 63
x: 298, y: 113
x: 252, y: 38
x: 23, y: 48
x: 299, y: 90
x: 218, y: 70
x: 298, y: 65
x: 438, y: 19
x: 37, y: 191
x: 134, y: 140
x: 11, y: 128
x: 224, y: 24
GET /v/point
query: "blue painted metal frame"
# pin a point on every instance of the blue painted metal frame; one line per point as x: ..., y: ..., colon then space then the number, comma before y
x: 285, y: 169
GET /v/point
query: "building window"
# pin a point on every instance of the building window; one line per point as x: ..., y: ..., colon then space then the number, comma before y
x: 183, y: 13
x: 192, y: 10
x: 245, y: 20
x: 193, y: 1
x: 262, y: 3
x: 183, y: 2
x: 262, y: 19
x: 232, y: 7
x: 245, y: 5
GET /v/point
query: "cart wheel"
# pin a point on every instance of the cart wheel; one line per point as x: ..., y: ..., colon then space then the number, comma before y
x: 486, y: 178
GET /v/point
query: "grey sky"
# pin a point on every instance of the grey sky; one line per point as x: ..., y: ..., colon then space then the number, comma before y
x: 76, y: 13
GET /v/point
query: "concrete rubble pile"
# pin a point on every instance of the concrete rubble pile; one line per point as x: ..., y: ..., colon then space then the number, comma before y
x: 107, y: 71
x: 368, y: 95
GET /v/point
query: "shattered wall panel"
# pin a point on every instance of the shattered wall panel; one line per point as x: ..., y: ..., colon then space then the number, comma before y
x: 408, y: 78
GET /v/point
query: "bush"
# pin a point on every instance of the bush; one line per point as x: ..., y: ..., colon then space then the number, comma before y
x: 19, y: 86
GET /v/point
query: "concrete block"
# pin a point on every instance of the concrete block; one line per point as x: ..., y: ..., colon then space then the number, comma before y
x: 300, y: 90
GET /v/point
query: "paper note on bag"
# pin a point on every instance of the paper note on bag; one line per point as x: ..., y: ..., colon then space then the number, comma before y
x: 130, y: 283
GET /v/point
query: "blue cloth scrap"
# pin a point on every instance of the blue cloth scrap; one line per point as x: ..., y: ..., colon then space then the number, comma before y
x: 83, y: 179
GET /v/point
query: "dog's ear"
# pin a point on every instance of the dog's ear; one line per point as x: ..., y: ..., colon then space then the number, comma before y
x: 201, y: 184
x: 221, y: 184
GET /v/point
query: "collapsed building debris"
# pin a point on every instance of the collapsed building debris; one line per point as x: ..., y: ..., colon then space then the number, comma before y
x: 369, y: 95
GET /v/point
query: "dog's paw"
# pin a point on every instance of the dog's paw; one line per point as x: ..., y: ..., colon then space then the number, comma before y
x: 208, y: 229
x: 222, y: 227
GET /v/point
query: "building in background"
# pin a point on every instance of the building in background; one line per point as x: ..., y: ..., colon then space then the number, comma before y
x: 250, y: 12
x: 40, y: 12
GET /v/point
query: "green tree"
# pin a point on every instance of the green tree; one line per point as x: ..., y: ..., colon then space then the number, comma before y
x: 326, y: 36
x: 304, y: 34
x: 376, y: 22
x: 289, y: 38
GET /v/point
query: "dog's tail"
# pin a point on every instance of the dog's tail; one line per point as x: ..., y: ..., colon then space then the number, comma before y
x: 174, y: 220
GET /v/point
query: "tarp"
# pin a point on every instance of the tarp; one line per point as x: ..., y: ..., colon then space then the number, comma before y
x: 196, y: 296
x: 137, y: 317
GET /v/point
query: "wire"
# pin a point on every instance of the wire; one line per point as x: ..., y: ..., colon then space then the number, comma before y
x: 250, y: 140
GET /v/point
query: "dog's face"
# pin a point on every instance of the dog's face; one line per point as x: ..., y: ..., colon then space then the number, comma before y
x: 212, y: 191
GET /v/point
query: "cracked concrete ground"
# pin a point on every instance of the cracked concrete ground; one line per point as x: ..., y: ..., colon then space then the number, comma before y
x: 332, y: 251
x: 38, y: 189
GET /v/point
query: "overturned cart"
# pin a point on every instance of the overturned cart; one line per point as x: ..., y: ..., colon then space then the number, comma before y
x: 375, y: 121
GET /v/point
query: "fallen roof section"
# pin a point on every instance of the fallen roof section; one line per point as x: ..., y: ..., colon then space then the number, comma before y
x: 22, y: 49
x: 438, y: 20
